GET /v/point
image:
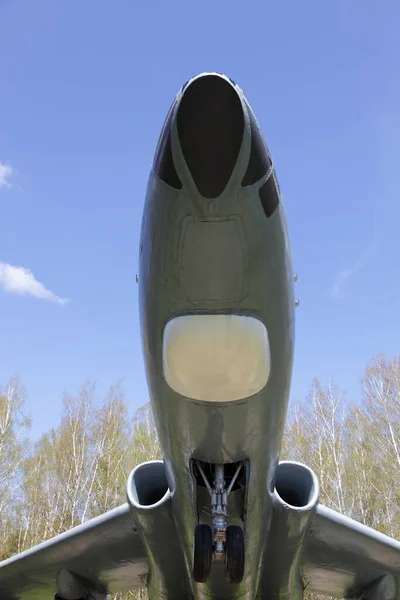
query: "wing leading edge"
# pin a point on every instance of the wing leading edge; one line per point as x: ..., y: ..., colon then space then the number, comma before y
x: 344, y: 558
x: 106, y: 554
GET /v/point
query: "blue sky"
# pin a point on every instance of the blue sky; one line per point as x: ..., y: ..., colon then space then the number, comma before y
x: 85, y: 87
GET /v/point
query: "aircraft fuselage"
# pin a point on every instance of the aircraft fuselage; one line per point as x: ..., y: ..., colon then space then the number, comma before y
x: 217, y: 308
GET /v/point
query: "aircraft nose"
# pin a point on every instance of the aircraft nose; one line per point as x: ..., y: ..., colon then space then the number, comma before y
x: 210, y: 125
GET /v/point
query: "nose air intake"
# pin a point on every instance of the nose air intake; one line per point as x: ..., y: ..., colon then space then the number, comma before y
x: 210, y: 125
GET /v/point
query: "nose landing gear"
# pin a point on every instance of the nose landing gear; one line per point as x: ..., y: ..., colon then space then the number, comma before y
x: 221, y: 542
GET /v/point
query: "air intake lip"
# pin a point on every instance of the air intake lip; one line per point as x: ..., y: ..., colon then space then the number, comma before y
x: 296, y: 485
x: 147, y: 486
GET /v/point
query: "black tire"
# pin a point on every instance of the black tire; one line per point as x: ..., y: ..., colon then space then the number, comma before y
x: 234, y: 554
x: 202, y: 553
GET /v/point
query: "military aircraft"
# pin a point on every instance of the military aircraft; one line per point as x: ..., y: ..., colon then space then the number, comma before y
x: 220, y: 517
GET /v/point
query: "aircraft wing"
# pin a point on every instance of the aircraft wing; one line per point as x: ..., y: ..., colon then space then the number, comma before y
x: 344, y: 558
x: 106, y: 553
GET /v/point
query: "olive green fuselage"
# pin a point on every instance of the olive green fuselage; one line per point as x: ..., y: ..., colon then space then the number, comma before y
x: 221, y: 255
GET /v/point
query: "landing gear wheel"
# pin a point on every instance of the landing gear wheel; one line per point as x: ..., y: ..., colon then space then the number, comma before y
x: 234, y: 554
x: 202, y: 554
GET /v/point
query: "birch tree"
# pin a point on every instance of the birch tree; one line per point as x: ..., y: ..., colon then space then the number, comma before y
x: 61, y: 470
x: 111, y: 437
x: 145, y: 444
x: 316, y: 435
x: 14, y: 425
x: 363, y: 473
x: 381, y: 406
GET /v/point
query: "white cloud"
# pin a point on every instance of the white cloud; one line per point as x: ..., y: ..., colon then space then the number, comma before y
x: 343, y: 277
x: 21, y: 281
x: 5, y: 173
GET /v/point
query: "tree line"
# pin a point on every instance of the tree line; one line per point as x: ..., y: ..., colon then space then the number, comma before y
x: 78, y: 469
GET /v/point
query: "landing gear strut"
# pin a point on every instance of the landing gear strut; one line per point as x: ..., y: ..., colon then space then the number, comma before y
x: 221, y: 542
